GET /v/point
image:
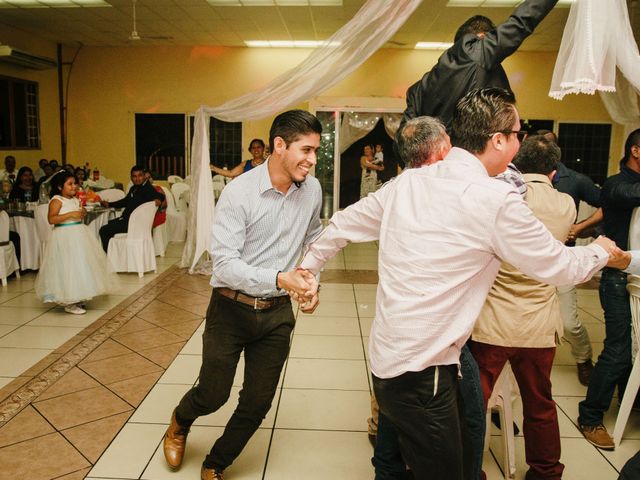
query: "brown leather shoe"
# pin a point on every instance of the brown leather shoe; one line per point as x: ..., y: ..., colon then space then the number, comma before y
x: 210, y: 474
x: 584, y: 372
x: 597, y: 435
x: 174, y: 443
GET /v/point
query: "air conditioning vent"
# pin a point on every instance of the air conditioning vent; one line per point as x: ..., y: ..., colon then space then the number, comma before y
x: 24, y: 59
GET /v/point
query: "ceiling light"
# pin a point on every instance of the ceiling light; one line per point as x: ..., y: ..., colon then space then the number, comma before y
x: 433, y: 45
x: 497, y: 3
x: 272, y: 3
x: 289, y: 43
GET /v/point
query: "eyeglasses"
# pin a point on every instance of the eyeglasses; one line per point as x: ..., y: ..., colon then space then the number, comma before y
x: 521, y: 134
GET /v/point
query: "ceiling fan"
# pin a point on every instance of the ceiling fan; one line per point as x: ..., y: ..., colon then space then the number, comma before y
x: 135, y: 37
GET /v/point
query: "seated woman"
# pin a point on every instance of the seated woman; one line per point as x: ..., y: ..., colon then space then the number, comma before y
x: 256, y: 148
x: 81, y: 176
x: 25, y: 188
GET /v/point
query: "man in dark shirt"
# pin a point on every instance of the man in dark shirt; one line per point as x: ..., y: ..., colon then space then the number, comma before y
x: 580, y: 188
x: 474, y: 60
x: 620, y: 195
x: 141, y: 192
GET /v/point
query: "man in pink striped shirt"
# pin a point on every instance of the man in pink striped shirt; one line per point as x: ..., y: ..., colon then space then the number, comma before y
x: 443, y: 231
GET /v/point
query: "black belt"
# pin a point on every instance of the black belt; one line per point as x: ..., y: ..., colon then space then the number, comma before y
x: 257, y: 303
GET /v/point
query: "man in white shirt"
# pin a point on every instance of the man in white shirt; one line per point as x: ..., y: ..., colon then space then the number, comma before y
x: 443, y: 231
x: 9, y: 171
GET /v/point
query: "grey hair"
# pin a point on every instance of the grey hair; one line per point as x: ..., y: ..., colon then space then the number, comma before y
x: 418, y: 139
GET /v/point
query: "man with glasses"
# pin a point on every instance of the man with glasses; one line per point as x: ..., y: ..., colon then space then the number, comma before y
x: 443, y: 231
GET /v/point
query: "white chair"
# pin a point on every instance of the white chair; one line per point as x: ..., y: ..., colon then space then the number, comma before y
x: 633, y: 286
x: 218, y: 186
x: 43, y: 227
x: 8, y: 260
x: 134, y: 251
x: 501, y: 400
x: 111, y: 194
x: 160, y: 237
x: 176, y: 221
x: 171, y: 179
x: 178, y: 190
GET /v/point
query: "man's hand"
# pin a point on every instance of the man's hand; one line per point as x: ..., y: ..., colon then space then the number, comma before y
x: 619, y: 259
x: 310, y: 305
x: 607, y: 244
x: 104, y: 203
x: 301, y: 285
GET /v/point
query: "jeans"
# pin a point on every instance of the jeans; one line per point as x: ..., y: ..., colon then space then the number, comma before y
x: 474, y: 420
x: 614, y: 363
x: 230, y: 328
x: 387, y: 459
x: 423, y: 407
x: 574, y: 331
x: 532, y: 370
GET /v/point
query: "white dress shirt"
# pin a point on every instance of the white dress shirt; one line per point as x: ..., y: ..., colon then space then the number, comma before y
x: 443, y: 231
x: 259, y: 231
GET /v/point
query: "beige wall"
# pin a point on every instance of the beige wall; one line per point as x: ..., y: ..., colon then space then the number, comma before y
x: 109, y: 85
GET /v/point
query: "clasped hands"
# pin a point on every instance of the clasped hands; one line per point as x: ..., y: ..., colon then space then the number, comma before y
x: 302, y: 286
x: 617, y: 258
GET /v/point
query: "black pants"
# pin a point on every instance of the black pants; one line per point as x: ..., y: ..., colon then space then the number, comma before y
x: 117, y: 225
x: 15, y: 239
x: 230, y: 328
x: 424, y: 409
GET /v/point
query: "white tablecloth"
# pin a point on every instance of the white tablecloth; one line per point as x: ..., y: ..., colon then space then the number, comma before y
x: 29, y: 241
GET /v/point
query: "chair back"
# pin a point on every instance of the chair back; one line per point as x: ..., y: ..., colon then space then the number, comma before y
x: 111, y: 194
x: 141, y: 221
x: 634, y: 230
x: 174, y: 179
x: 4, y: 226
x: 43, y: 227
x: 178, y: 190
x: 171, y: 202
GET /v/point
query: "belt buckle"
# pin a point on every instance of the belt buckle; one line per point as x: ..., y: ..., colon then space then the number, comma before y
x: 255, y: 303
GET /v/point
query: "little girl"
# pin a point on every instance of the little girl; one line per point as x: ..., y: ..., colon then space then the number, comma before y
x: 74, y: 268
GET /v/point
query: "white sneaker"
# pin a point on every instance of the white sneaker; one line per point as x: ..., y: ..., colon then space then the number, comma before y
x: 75, y: 309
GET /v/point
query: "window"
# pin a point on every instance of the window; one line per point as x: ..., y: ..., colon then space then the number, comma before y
x: 225, y: 142
x: 19, y: 118
x: 585, y: 148
x: 160, y: 143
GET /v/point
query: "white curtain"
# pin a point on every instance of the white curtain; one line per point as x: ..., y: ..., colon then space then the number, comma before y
x: 375, y: 23
x: 596, y: 39
x: 356, y: 125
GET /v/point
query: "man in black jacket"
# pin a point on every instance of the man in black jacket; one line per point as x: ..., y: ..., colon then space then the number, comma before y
x: 620, y: 195
x: 141, y: 192
x: 474, y: 60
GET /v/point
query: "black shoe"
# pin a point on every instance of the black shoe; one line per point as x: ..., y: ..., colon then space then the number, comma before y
x: 495, y: 419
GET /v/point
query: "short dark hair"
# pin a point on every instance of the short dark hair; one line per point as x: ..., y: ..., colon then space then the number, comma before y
x: 548, y: 134
x: 259, y: 140
x: 57, y: 181
x: 291, y: 125
x: 418, y: 139
x: 479, y: 114
x: 537, y: 154
x: 632, y: 139
x: 476, y: 24
x: 42, y: 162
x: 136, y: 168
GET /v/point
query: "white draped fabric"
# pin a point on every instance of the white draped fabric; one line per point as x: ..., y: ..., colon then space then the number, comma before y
x: 375, y: 23
x: 596, y: 39
x: 356, y: 125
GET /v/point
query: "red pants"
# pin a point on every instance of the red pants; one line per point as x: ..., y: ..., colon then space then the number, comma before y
x: 532, y: 370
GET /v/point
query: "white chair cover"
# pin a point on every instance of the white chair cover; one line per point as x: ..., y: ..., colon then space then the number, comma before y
x: 134, y: 251
x: 29, y: 242
x: 178, y: 190
x: 171, y: 179
x: 500, y: 399
x: 43, y: 226
x: 111, y: 194
x: 8, y: 260
x: 160, y: 237
x: 176, y: 221
x: 218, y: 186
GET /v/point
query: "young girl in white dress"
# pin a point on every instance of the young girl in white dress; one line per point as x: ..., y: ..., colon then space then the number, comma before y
x: 74, y: 268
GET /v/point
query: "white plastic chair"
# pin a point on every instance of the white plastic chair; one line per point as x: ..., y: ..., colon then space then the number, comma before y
x: 43, y: 227
x: 111, y: 194
x: 8, y: 260
x: 134, y: 251
x: 176, y: 221
x: 500, y: 399
x: 171, y: 179
x: 218, y: 186
x: 633, y: 286
x: 178, y: 189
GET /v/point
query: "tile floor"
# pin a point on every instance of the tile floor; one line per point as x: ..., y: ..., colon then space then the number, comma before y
x: 106, y: 417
